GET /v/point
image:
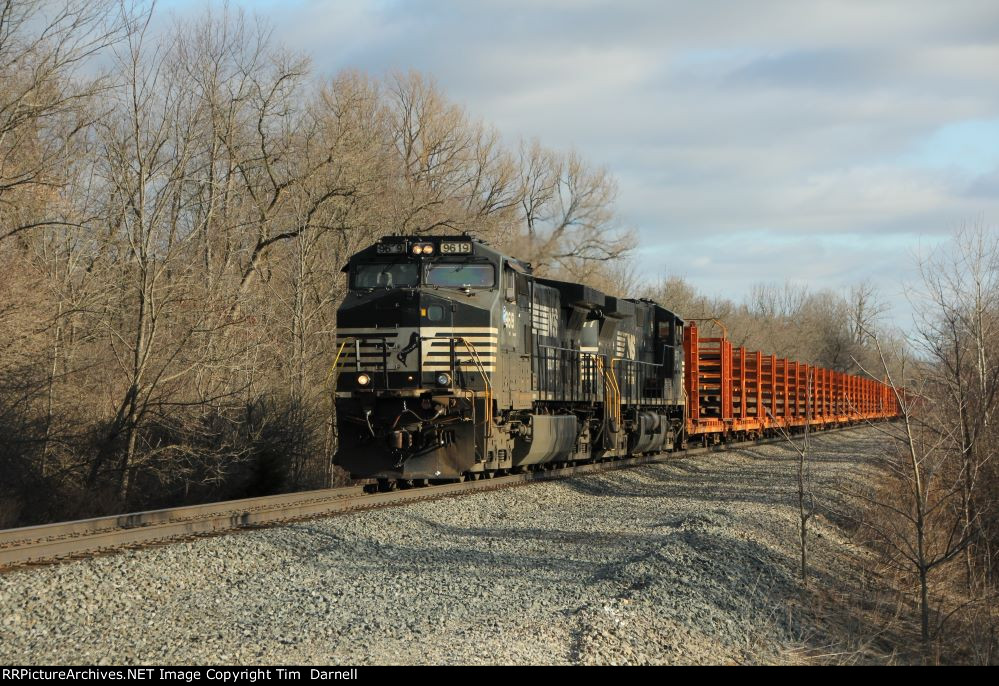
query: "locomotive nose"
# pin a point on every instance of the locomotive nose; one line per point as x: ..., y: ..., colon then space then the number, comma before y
x: 414, y: 339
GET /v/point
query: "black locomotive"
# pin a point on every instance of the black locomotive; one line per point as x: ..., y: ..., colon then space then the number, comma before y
x: 455, y: 361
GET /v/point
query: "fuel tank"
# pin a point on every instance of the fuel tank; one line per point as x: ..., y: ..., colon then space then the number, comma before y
x: 547, y: 438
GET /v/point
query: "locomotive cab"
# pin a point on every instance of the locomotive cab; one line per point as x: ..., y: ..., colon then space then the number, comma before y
x: 414, y: 310
x: 417, y: 349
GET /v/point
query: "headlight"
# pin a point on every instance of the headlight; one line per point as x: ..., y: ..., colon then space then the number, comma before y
x: 363, y: 379
x: 443, y: 379
x: 422, y: 249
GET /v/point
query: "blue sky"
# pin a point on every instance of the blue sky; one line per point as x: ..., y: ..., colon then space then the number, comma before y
x: 823, y: 142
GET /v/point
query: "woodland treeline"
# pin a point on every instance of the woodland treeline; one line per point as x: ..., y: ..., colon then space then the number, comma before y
x: 935, y: 514
x: 177, y: 199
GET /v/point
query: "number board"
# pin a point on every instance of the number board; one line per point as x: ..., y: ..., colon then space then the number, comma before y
x: 455, y: 248
x: 391, y: 248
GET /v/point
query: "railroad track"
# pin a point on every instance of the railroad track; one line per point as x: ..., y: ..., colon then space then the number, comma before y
x: 50, y: 543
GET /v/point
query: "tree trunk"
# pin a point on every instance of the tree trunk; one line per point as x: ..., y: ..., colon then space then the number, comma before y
x: 924, y: 611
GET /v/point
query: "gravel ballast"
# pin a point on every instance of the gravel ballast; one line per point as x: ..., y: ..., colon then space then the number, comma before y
x: 688, y: 561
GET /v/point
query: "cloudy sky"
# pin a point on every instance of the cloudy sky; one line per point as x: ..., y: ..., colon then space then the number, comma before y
x: 820, y: 142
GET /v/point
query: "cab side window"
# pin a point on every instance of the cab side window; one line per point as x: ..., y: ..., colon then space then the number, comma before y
x: 517, y: 285
x: 523, y: 290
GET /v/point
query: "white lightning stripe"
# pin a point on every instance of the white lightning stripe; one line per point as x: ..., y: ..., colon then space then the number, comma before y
x: 439, y: 359
x: 426, y: 330
x: 372, y: 345
x: 390, y: 334
x: 439, y: 362
x: 477, y: 346
x: 487, y: 368
x: 471, y: 337
x: 465, y: 329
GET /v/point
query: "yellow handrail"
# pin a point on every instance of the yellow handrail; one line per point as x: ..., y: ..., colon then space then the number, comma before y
x: 485, y: 380
x: 716, y: 322
x: 612, y: 392
x: 331, y: 375
x: 617, y: 390
x: 336, y: 361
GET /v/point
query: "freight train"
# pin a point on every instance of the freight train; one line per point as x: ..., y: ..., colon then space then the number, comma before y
x: 454, y: 361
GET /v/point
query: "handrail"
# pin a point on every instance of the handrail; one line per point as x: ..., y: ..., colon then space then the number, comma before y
x: 485, y: 380
x: 647, y: 364
x: 713, y: 320
x: 612, y: 392
x: 579, y: 383
x: 336, y: 361
x: 640, y: 391
x: 570, y: 350
x: 331, y: 375
x: 617, y: 388
x: 488, y: 392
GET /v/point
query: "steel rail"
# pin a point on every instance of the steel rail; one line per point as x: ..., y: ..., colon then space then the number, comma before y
x: 131, y: 520
x: 48, y: 543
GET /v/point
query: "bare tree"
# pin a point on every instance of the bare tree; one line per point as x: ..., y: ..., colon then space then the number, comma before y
x: 866, y: 310
x: 806, y: 495
x: 958, y: 319
x: 454, y: 174
x: 47, y: 103
x: 211, y: 162
x: 919, y: 526
x: 567, y: 209
x: 775, y: 301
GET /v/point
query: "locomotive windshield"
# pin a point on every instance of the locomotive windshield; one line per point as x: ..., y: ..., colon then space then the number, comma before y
x: 460, y: 275
x: 395, y: 275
